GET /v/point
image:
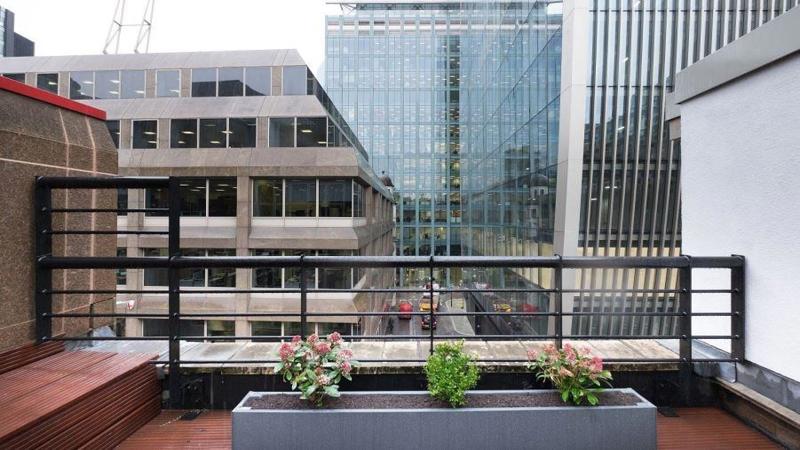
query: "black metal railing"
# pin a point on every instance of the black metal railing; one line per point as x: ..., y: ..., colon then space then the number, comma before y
x: 174, y: 262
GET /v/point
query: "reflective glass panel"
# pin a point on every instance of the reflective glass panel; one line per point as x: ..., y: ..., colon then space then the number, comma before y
x: 294, y: 80
x: 311, y: 132
x: 222, y: 197
x: 258, y: 81
x: 106, y: 84
x: 193, y: 197
x: 241, y: 132
x: 81, y: 85
x: 212, y: 133
x: 281, y: 132
x: 204, y: 82
x: 183, y: 133
x: 113, y: 130
x: 267, y: 277
x: 267, y: 198
x: 301, y: 198
x: 145, y: 134
x: 335, y: 198
x: 168, y: 83
x: 48, y: 82
x: 132, y: 84
x: 231, y: 82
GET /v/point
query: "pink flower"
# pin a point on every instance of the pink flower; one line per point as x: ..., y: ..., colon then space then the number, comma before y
x: 285, y: 351
x: 322, y: 348
x: 550, y: 350
x: 565, y: 373
x: 345, y: 367
x: 570, y: 352
x: 323, y: 380
x: 533, y: 355
x: 313, y: 338
x: 335, y: 337
x: 296, y: 339
x: 596, y: 365
x: 345, y: 354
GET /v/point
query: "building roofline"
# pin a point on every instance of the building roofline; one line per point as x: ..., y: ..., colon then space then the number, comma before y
x: 41, y: 95
x: 765, y: 45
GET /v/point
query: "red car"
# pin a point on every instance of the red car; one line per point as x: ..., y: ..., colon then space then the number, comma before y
x: 405, y: 308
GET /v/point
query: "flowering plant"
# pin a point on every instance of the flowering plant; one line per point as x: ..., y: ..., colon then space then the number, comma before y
x: 315, y: 366
x: 575, y: 373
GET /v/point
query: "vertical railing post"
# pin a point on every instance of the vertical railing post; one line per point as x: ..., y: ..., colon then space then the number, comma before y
x: 44, y: 247
x: 174, y: 302
x: 685, y: 328
x: 685, y: 310
x: 737, y: 310
x: 433, y: 305
x: 303, y: 299
x: 558, y: 303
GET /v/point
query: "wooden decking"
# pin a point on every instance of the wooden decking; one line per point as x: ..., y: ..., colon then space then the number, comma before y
x: 694, y: 428
x: 76, y: 399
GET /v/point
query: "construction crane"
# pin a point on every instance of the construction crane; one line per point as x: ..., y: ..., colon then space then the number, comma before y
x: 119, y: 23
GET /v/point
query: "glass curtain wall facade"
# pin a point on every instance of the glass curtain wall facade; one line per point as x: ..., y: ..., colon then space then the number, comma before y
x: 454, y: 100
x: 631, y: 174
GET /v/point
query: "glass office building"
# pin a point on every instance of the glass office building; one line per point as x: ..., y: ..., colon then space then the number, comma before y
x: 458, y: 102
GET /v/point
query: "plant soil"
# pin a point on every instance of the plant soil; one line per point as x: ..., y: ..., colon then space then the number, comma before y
x: 422, y: 401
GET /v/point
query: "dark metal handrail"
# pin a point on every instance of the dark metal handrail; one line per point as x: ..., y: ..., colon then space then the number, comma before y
x: 45, y: 263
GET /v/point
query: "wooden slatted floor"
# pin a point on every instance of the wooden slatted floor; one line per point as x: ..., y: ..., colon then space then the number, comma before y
x: 694, y: 428
x: 77, y: 398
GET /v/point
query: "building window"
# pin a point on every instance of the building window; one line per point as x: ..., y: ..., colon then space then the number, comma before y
x: 241, y: 132
x: 294, y: 80
x: 183, y: 133
x: 156, y: 198
x: 208, y: 277
x: 335, y: 277
x: 222, y: 197
x: 335, y: 198
x: 258, y: 81
x: 48, y: 82
x: 231, y: 82
x: 122, y: 274
x: 281, y: 132
x: 359, y: 205
x: 267, y: 198
x: 122, y: 201
x: 193, y: 197
x: 301, y: 198
x: 204, y: 82
x: 206, y: 197
x: 168, y: 83
x: 20, y: 77
x: 266, y: 328
x: 145, y: 134
x: 267, y: 277
x: 106, y: 84
x: 155, y: 277
x: 160, y: 327
x: 326, y: 328
x: 220, y: 328
x: 132, y: 84
x: 292, y: 274
x: 311, y: 132
x: 212, y: 133
x: 81, y: 85
x: 113, y: 130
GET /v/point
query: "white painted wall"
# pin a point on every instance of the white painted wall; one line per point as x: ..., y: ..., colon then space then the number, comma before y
x: 741, y: 195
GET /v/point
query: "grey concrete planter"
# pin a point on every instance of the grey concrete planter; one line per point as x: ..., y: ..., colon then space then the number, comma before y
x: 600, y: 427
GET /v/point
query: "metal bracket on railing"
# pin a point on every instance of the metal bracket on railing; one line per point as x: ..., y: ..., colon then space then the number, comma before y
x: 685, y: 309
x: 737, y: 310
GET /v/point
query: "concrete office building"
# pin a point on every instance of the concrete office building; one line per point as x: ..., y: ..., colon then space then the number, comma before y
x: 270, y: 168
x: 532, y: 127
x: 12, y: 43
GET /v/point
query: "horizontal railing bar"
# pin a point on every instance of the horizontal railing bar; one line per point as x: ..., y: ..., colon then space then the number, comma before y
x: 103, y: 291
x: 108, y: 210
x: 102, y: 182
x: 392, y: 314
x: 107, y: 338
x: 234, y: 362
x: 80, y: 232
x: 717, y: 262
x: 357, y: 261
x: 102, y: 315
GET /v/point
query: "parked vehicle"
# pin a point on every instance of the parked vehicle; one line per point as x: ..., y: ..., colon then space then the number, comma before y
x: 405, y: 308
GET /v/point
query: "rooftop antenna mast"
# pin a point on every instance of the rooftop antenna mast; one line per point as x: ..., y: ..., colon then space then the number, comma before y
x: 118, y: 24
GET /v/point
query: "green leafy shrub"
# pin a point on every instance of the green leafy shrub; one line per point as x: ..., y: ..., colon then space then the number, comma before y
x: 576, y: 374
x: 451, y: 373
x: 315, y: 366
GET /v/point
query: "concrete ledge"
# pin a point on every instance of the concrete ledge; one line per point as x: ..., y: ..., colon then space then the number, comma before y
x: 771, y: 418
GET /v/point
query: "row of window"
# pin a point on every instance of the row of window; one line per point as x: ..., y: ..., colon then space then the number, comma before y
x: 234, y: 132
x: 267, y: 278
x: 205, y: 82
x: 215, y: 328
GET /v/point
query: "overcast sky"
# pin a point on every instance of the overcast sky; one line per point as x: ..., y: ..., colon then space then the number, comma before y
x: 74, y: 27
